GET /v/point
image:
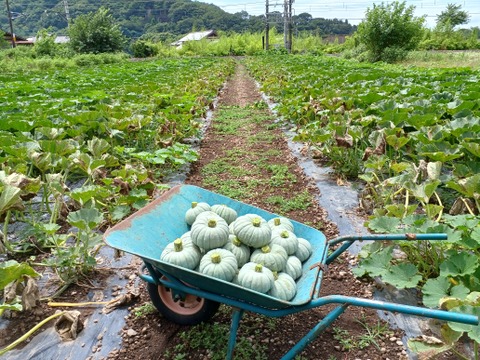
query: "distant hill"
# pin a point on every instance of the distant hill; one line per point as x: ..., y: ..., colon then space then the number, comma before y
x: 139, y: 17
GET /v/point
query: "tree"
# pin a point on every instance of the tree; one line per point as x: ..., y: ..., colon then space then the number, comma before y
x: 390, y: 31
x: 453, y: 15
x: 96, y: 33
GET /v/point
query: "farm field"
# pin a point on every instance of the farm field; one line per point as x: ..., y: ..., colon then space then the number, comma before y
x: 84, y: 149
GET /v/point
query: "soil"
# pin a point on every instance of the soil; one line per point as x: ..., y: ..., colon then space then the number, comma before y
x: 152, y: 337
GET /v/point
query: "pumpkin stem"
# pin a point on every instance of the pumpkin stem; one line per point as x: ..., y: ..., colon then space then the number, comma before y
x: 266, y: 249
x: 212, y: 223
x: 258, y: 268
x: 216, y: 258
x: 284, y: 234
x: 178, y: 245
x: 194, y: 204
x: 275, y: 275
x: 236, y: 242
x: 256, y: 222
x: 277, y: 222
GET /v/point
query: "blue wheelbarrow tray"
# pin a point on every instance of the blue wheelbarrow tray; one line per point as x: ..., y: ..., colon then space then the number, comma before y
x: 148, y: 231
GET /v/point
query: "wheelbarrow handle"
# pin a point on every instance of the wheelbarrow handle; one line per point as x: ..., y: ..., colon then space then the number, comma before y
x: 389, y: 237
x: 350, y: 239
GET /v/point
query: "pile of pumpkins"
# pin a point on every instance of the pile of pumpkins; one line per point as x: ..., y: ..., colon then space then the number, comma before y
x: 246, y: 250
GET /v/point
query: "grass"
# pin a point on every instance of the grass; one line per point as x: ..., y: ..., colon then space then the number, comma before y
x: 301, y: 201
x: 443, y: 59
x: 212, y: 338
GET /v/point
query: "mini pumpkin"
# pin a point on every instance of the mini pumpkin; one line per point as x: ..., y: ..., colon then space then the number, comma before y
x: 256, y: 277
x: 219, y: 263
x: 280, y: 223
x: 286, y: 239
x: 197, y: 208
x: 284, y: 287
x: 178, y: 253
x: 252, y: 230
x: 209, y: 232
x: 293, y: 267
x: 227, y: 213
x: 237, y: 248
x: 272, y: 256
x: 304, y: 249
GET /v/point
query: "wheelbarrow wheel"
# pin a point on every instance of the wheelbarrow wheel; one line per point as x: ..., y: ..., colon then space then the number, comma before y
x: 190, y: 311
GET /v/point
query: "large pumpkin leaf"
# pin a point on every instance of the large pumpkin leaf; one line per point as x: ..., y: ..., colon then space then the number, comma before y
x: 402, y: 276
x: 10, y: 199
x: 434, y: 290
x: 459, y: 264
x: 384, y: 224
x: 377, y: 264
x: 85, y: 219
x: 473, y: 331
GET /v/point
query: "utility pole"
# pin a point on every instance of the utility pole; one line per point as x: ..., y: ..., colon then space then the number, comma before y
x: 267, y: 26
x: 67, y: 12
x: 287, y: 24
x: 11, y: 23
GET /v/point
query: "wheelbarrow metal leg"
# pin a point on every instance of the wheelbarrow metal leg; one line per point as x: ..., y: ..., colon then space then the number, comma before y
x: 313, y: 334
x: 236, y: 317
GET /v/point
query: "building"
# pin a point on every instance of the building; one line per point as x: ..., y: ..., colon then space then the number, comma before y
x: 196, y: 36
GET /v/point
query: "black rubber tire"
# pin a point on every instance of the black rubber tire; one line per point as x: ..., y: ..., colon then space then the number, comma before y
x: 191, y: 312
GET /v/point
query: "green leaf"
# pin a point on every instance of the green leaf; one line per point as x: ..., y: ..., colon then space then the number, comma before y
x: 402, y: 276
x: 434, y: 290
x: 384, y: 224
x: 473, y: 331
x: 397, y: 142
x: 459, y: 264
x: 14, y: 307
x: 11, y: 270
x: 472, y: 147
x: 85, y: 219
x: 10, y: 199
x: 467, y: 187
x: 377, y: 264
x: 119, y: 212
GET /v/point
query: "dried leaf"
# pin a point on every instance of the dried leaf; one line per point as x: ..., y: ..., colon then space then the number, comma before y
x: 69, y: 325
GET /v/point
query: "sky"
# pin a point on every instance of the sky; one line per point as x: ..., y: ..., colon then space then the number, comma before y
x: 352, y: 10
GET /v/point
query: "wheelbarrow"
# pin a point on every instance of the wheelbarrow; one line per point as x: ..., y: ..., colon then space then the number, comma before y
x: 188, y: 297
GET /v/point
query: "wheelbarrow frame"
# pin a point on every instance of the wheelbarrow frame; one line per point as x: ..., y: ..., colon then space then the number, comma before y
x: 179, y: 279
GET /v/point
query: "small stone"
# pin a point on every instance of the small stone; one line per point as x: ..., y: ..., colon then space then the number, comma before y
x: 131, y: 332
x: 83, y: 345
x: 393, y: 339
x: 399, y: 342
x: 337, y: 347
x: 100, y: 337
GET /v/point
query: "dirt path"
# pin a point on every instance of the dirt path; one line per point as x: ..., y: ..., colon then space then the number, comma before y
x: 244, y: 155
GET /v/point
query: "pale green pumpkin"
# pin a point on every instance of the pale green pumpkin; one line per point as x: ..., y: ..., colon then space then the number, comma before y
x: 219, y: 263
x: 304, y: 249
x: 286, y: 239
x: 197, y: 208
x: 280, y: 223
x: 256, y: 277
x: 272, y: 256
x: 284, y: 287
x: 252, y: 230
x: 227, y: 213
x: 178, y: 253
x: 293, y: 267
x: 237, y: 248
x: 209, y: 232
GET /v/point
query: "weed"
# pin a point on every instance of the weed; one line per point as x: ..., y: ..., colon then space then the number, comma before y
x: 145, y: 309
x: 300, y: 202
